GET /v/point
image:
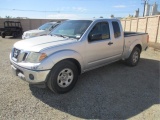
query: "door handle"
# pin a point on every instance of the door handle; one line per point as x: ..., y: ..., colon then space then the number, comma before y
x: 110, y: 43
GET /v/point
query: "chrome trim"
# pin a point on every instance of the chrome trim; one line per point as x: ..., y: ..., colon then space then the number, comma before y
x: 20, y: 55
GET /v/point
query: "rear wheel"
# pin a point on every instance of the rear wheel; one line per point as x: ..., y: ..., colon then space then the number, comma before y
x: 63, y: 77
x: 3, y: 35
x: 134, y: 57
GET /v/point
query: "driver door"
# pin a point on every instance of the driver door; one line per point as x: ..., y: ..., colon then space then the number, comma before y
x: 99, y: 45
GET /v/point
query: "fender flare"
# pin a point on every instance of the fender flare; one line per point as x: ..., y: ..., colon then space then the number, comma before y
x: 58, y: 56
x: 133, y: 45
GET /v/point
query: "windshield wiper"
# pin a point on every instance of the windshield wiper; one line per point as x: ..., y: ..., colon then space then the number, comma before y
x: 61, y: 35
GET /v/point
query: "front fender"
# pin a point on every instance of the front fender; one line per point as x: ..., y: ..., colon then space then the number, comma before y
x: 54, y: 58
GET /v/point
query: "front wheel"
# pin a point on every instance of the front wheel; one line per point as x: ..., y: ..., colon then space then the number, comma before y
x: 63, y: 77
x: 134, y: 57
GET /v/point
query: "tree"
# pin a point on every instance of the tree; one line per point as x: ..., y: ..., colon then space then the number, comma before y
x: 112, y: 16
x: 101, y: 17
x: 8, y: 17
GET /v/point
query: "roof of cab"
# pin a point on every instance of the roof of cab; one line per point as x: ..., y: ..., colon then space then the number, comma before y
x: 53, y: 22
x: 112, y: 19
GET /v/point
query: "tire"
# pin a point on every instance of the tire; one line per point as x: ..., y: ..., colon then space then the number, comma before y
x: 3, y: 35
x: 63, y: 77
x: 134, y: 57
x: 15, y: 35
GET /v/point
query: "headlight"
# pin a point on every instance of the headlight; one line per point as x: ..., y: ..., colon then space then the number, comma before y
x: 35, y: 57
x: 30, y: 34
x: 33, y: 34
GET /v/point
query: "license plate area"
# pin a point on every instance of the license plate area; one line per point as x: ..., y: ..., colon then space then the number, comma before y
x: 14, y: 70
x: 18, y: 72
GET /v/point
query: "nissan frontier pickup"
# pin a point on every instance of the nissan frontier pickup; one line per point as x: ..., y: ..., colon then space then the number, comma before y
x: 72, y: 48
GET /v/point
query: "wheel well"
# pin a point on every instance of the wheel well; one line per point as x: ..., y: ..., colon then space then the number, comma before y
x: 139, y: 46
x: 75, y: 62
x: 2, y: 33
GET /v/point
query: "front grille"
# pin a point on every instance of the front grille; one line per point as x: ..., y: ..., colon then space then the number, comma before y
x: 19, y: 55
x: 16, y: 53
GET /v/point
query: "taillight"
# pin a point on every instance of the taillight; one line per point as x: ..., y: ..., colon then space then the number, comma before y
x: 147, y: 38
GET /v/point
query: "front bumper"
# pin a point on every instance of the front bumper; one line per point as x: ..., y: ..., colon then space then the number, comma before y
x: 31, y: 76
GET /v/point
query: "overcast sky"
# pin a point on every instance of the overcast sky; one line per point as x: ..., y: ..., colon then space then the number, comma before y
x: 65, y: 9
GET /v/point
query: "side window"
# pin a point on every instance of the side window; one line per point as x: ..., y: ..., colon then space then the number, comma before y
x: 105, y: 31
x: 96, y: 29
x: 116, y: 28
x: 99, y: 32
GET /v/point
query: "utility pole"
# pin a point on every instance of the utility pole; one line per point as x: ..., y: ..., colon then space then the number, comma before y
x: 145, y: 2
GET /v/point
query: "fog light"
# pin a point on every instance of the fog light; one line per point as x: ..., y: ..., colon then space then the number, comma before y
x: 31, y: 76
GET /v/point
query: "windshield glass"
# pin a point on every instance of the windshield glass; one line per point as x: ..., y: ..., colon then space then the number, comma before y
x: 45, y: 26
x: 72, y: 28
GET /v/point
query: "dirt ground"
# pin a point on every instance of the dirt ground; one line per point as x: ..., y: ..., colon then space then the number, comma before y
x: 115, y: 91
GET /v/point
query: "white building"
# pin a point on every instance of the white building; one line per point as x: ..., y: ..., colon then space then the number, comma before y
x: 136, y: 13
x: 147, y: 9
x: 151, y: 9
x: 154, y: 10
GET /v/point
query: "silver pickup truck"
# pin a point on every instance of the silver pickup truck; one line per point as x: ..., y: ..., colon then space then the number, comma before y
x: 42, y: 30
x: 72, y: 48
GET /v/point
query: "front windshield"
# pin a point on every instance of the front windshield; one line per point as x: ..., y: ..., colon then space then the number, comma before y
x: 45, y: 26
x: 72, y: 28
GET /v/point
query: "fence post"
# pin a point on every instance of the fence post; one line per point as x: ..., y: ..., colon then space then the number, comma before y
x: 30, y: 24
x: 125, y: 25
x: 137, y: 24
x: 146, y: 24
x: 157, y: 29
x: 130, y: 24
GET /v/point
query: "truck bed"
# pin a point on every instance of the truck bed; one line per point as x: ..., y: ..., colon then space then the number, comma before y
x: 128, y: 34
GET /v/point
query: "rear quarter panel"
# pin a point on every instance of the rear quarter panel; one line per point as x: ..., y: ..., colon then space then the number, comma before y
x: 132, y: 41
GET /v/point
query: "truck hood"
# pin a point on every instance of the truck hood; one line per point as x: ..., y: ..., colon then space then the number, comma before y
x: 34, y: 31
x: 38, y: 43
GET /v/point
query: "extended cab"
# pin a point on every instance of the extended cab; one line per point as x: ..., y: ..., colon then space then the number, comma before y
x: 72, y: 48
x: 42, y: 30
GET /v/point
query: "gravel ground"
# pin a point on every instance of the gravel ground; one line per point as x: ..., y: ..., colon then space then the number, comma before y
x: 115, y: 91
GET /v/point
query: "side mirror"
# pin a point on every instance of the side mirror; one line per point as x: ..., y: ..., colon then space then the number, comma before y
x: 93, y: 37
